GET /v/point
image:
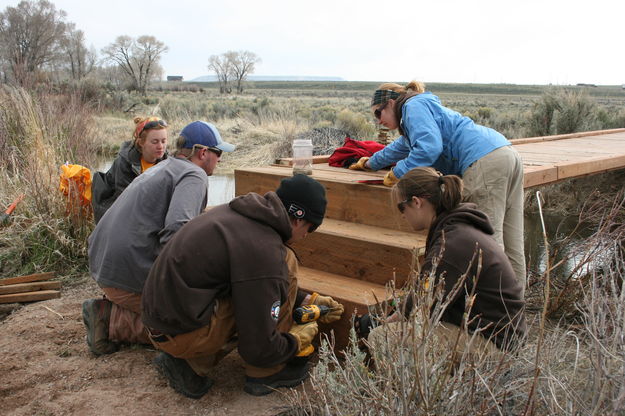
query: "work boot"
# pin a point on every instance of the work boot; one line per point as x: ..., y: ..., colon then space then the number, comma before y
x: 181, y: 376
x: 96, y: 314
x: 293, y: 374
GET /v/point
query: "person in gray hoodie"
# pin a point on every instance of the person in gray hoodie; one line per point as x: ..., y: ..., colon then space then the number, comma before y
x: 126, y: 241
x: 229, y: 279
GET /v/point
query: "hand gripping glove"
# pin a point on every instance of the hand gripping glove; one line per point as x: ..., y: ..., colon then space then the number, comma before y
x: 334, y: 314
x: 360, y: 165
x: 390, y: 179
x: 304, y: 334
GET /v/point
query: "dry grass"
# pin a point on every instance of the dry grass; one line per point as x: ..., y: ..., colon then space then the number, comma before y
x: 564, y: 367
x: 37, y: 135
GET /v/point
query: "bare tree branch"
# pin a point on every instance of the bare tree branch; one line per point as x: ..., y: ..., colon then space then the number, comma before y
x: 138, y: 58
x: 222, y: 67
x: 31, y: 35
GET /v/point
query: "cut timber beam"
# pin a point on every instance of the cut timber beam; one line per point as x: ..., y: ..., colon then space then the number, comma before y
x: 347, y: 199
x: 362, y: 252
x: 30, y: 296
x: 26, y: 279
x: 29, y: 287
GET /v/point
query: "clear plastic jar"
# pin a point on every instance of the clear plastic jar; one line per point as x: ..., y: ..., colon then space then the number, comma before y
x: 302, y: 156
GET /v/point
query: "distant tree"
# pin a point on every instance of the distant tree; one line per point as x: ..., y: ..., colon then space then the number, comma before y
x: 138, y: 59
x: 31, y: 35
x: 242, y: 63
x: 80, y: 61
x: 222, y: 67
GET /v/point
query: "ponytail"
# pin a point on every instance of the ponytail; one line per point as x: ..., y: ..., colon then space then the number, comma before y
x: 444, y: 192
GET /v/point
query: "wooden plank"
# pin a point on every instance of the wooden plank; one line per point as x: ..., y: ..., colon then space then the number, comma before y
x: 30, y: 296
x: 26, y: 279
x: 595, y: 165
x: 347, y: 200
x: 29, y: 287
x: 539, y: 175
x: 363, y: 252
x: 564, y: 136
x: 341, y: 287
x: 356, y: 297
x: 288, y: 161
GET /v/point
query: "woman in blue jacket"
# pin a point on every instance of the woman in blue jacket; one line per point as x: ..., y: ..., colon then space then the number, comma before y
x: 433, y: 135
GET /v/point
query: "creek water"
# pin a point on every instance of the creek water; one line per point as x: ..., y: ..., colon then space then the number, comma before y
x: 565, y: 238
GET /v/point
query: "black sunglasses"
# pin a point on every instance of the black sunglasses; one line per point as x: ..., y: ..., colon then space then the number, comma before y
x: 401, y: 206
x: 312, y: 228
x: 215, y: 150
x: 378, y: 111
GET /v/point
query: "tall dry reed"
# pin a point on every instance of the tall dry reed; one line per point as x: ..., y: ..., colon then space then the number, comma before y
x: 38, y: 133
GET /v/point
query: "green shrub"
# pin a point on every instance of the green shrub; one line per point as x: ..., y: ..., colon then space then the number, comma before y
x: 562, y: 111
x: 355, y: 125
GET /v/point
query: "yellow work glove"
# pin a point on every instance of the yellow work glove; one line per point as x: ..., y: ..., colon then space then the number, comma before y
x: 334, y: 314
x: 304, y: 334
x: 360, y: 165
x: 390, y: 179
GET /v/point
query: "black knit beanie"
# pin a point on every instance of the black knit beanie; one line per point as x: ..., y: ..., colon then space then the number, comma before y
x: 303, y: 197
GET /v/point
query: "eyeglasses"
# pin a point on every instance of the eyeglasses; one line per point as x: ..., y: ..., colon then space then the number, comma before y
x: 378, y: 111
x: 312, y: 228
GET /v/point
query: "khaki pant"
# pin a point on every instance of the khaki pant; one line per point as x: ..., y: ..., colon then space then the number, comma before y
x: 206, y: 346
x: 495, y: 184
x: 448, y: 336
x: 125, y: 323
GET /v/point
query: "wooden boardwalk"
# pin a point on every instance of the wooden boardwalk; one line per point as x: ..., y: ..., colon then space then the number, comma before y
x: 363, y: 242
x: 555, y: 158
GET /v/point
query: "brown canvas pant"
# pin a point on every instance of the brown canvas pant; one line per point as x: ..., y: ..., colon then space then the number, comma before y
x: 125, y: 324
x: 495, y: 184
x: 206, y: 346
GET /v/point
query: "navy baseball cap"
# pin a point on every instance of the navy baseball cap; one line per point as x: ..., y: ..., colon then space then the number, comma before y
x: 204, y: 134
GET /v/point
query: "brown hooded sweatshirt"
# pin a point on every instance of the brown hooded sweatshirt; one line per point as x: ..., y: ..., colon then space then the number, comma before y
x: 235, y: 250
x: 498, y: 309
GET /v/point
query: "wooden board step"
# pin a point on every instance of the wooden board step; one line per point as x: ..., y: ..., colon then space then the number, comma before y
x: 355, y: 295
x: 348, y: 200
x: 359, y: 251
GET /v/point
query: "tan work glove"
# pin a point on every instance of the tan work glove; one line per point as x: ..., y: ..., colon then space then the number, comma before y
x: 304, y: 334
x: 390, y: 179
x: 334, y: 314
x: 360, y: 165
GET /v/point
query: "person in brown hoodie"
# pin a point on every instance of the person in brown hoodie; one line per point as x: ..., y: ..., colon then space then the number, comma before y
x: 430, y: 201
x: 228, y: 279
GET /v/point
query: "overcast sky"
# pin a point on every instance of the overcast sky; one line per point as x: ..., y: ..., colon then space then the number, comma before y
x: 490, y: 41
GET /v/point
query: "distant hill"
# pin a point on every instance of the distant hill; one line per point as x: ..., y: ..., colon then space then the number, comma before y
x: 213, y: 78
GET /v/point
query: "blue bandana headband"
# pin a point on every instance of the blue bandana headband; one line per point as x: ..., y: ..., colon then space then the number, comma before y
x: 382, y: 96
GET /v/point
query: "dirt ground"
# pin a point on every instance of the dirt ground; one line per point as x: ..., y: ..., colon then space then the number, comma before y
x: 46, y: 368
